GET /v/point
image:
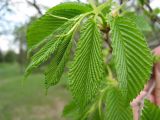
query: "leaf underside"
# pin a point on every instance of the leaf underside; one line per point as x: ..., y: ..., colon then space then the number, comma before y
x: 56, y: 67
x: 50, y: 47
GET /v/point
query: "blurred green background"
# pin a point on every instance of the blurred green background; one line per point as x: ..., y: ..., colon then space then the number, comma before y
x: 28, y: 101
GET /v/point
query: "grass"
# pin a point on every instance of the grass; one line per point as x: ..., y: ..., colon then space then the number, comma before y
x: 29, y: 102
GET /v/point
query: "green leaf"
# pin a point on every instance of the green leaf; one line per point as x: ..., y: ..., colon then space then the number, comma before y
x: 71, y: 111
x: 87, y: 70
x: 142, y: 2
x: 50, y: 47
x: 156, y: 11
x: 96, y: 116
x: 116, y: 108
x: 56, y: 67
x: 69, y: 9
x: 43, y: 55
x: 141, y: 21
x: 106, y: 7
x: 52, y: 20
x: 150, y: 111
x: 132, y: 57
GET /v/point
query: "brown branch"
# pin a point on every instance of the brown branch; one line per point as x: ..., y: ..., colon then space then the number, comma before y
x: 138, y: 103
x: 149, y: 91
x: 106, y: 33
x: 149, y: 7
x: 154, y: 44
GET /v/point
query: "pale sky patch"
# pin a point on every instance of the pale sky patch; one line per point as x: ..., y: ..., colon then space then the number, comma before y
x: 155, y: 4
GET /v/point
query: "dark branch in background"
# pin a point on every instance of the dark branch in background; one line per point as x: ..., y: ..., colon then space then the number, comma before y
x: 4, y: 5
x: 154, y: 44
x: 34, y: 4
x: 149, y: 7
x: 120, y: 2
x: 154, y: 18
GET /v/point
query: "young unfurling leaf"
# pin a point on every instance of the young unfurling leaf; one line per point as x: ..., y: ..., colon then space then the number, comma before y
x: 57, y: 38
x: 52, y: 20
x: 57, y: 65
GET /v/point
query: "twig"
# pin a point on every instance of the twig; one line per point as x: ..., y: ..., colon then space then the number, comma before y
x: 34, y: 4
x: 121, y: 1
x: 106, y: 32
x: 4, y: 5
x: 155, y: 18
x: 150, y: 90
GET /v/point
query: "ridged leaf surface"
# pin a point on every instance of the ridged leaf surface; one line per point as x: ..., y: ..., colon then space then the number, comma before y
x: 116, y: 108
x: 50, y: 47
x: 86, y: 71
x: 132, y: 57
x: 150, y: 111
x: 56, y: 67
x: 141, y: 21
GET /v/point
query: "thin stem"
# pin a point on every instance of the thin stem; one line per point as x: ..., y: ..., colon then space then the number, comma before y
x: 146, y: 96
x: 104, y: 5
x: 92, y: 4
x: 59, y: 17
x: 80, y: 18
x: 154, y: 18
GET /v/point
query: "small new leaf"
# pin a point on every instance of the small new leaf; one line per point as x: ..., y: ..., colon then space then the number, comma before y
x: 43, y: 55
x: 57, y: 65
x: 50, y: 47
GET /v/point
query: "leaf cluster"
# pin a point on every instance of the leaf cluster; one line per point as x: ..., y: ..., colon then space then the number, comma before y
x: 100, y: 91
